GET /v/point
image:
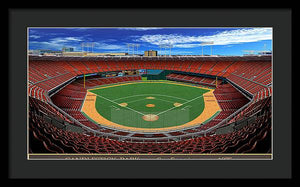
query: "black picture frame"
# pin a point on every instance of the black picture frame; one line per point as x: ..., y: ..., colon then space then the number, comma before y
x: 278, y: 19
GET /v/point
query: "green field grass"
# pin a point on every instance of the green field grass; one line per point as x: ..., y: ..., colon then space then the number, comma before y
x: 136, y: 96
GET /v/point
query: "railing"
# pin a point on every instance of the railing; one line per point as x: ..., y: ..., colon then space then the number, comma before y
x: 59, y: 87
x: 50, y: 78
x: 224, y: 121
x: 250, y: 80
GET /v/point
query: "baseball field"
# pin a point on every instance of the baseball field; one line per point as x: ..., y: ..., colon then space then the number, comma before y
x: 148, y: 105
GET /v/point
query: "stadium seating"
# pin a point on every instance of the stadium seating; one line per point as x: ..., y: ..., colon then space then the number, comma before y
x: 251, y: 76
x: 71, y: 97
x: 47, y: 138
x: 194, y: 79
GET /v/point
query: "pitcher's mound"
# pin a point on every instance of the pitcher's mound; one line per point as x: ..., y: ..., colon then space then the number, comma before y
x: 177, y: 104
x: 150, y: 105
x: 150, y: 117
x: 123, y: 104
x: 150, y: 97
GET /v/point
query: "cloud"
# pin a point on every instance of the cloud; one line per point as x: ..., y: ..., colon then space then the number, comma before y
x: 45, y: 45
x: 105, y: 46
x: 221, y: 38
x: 34, y: 36
x: 109, y: 40
x: 186, y: 45
x: 43, y: 33
x: 32, y: 31
x: 66, y: 39
x: 167, y: 52
x: 57, y: 43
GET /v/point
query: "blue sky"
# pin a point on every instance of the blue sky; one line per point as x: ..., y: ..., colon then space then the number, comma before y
x: 185, y: 41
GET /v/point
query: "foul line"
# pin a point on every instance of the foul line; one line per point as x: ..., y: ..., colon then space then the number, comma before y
x: 186, y: 107
x: 118, y: 104
x: 181, y: 105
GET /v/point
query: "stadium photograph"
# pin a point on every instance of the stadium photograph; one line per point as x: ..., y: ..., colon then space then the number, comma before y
x: 149, y: 93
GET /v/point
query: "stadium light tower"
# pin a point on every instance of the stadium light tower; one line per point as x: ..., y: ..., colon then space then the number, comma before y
x: 137, y: 48
x: 86, y: 45
x: 82, y: 47
x: 130, y: 45
x: 251, y: 52
x: 92, y: 45
x: 159, y: 49
x: 89, y: 46
x: 165, y: 46
x: 162, y: 46
x: 207, y: 43
x: 170, y: 46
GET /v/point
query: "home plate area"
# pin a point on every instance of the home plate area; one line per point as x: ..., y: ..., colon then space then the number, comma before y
x: 150, y: 117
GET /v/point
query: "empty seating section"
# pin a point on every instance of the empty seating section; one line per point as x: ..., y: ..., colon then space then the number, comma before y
x: 194, y: 79
x: 207, y: 67
x: 71, y: 97
x: 253, y: 108
x: 230, y: 68
x: 47, y: 75
x: 263, y: 93
x: 37, y: 92
x: 194, y: 67
x: 46, y: 109
x: 46, y: 138
x: 45, y: 70
x: 252, y: 76
x: 253, y: 70
x: 247, y: 85
x: 255, y: 77
x: 79, y: 66
x: 92, y: 81
x: 230, y: 100
x: 219, y: 68
x: 91, y: 66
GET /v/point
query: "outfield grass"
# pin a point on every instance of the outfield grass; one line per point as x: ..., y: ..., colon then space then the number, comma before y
x: 160, y: 96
